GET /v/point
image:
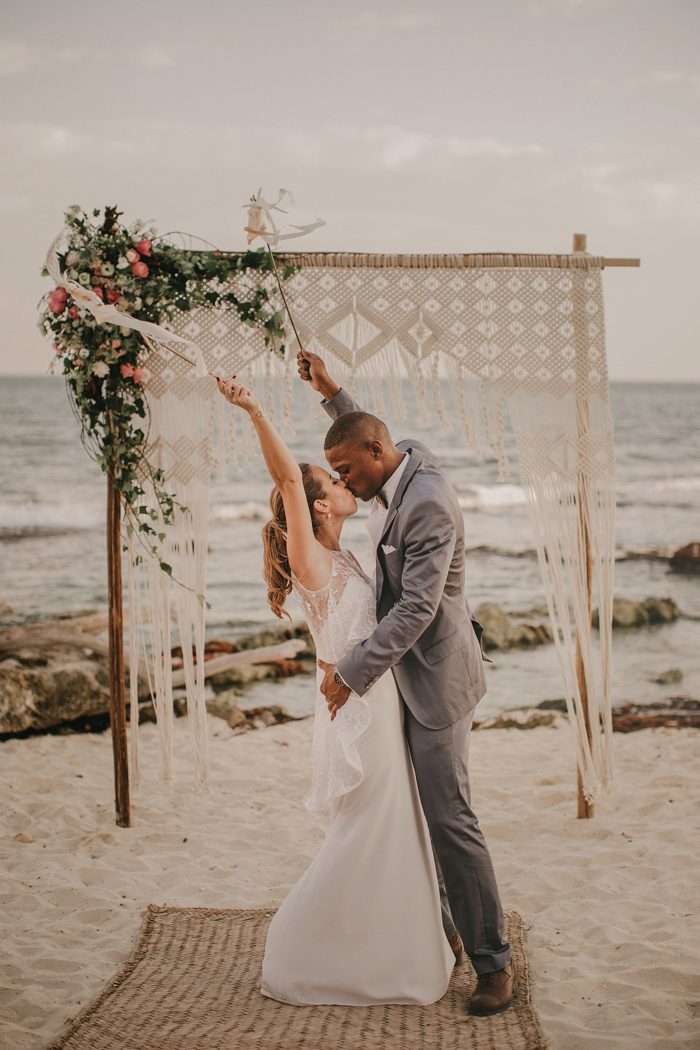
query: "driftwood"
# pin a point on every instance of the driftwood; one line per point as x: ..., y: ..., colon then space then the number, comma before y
x: 266, y: 654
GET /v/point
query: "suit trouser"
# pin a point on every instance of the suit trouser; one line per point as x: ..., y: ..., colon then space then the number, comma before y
x: 468, y: 890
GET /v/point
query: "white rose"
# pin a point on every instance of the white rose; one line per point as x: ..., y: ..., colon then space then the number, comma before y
x: 132, y: 256
x: 73, y: 258
x: 84, y: 278
x: 100, y: 368
x: 149, y: 300
x: 122, y: 302
x: 84, y: 352
x: 138, y: 302
x: 124, y: 331
x: 122, y: 263
x: 73, y: 275
x: 107, y: 269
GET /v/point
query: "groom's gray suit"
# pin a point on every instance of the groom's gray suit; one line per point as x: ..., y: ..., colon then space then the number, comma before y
x: 427, y: 636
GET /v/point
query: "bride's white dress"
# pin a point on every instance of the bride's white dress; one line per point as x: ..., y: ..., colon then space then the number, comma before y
x: 363, y: 923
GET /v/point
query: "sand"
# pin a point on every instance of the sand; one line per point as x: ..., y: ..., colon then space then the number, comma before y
x: 611, y: 903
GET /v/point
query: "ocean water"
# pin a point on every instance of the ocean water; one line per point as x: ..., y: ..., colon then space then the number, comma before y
x: 53, y: 556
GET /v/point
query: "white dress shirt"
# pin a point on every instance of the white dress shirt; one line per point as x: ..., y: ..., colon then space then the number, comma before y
x: 374, y: 522
x: 378, y: 514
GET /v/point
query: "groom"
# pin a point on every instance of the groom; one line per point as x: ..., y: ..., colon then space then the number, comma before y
x: 426, y: 635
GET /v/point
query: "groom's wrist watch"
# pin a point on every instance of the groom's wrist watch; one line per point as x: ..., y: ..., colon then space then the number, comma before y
x: 339, y: 680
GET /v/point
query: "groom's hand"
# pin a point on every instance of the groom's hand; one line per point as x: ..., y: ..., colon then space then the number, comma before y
x: 312, y: 369
x: 336, y: 695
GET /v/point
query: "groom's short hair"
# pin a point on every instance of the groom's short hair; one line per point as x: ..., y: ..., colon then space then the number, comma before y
x: 357, y: 428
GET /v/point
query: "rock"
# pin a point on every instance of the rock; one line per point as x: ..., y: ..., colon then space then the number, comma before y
x: 686, y: 559
x: 236, y: 718
x: 511, y: 720
x: 275, y: 635
x: 661, y: 610
x: 628, y: 613
x: 51, y: 685
x: 23, y: 836
x: 552, y: 705
x: 678, y: 712
x: 670, y: 677
x: 502, y: 631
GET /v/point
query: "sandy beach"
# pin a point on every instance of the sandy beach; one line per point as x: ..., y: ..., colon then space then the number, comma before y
x: 610, y: 903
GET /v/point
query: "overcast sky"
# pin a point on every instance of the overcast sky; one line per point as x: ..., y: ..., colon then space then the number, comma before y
x: 445, y: 126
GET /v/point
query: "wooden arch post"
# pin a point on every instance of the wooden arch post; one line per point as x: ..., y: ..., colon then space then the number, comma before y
x: 584, y: 809
x: 117, y: 701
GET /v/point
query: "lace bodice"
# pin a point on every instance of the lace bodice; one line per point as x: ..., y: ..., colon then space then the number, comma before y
x: 339, y: 615
x: 343, y: 612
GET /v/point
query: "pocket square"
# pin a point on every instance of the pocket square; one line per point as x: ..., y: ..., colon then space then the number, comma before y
x: 387, y: 548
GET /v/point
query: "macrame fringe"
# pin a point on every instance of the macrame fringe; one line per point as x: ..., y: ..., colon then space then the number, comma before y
x: 470, y: 335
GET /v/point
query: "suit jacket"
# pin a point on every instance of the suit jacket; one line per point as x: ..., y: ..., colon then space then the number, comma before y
x: 425, y: 633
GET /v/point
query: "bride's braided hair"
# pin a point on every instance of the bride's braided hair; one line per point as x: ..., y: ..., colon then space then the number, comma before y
x: 276, y: 571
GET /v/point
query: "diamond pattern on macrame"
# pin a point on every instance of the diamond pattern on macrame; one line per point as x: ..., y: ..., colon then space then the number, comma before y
x: 419, y: 334
x: 354, y: 332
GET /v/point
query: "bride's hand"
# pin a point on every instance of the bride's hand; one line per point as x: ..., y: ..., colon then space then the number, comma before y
x: 239, y: 395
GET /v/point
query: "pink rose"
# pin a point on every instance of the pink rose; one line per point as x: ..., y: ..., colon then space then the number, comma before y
x: 132, y: 255
x: 59, y: 292
x: 144, y: 247
x: 138, y: 375
x: 126, y: 370
x: 112, y: 295
x: 57, y: 306
x: 98, y: 292
x: 139, y: 269
x: 72, y: 312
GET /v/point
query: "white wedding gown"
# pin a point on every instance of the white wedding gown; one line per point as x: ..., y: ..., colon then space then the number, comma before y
x: 363, y: 923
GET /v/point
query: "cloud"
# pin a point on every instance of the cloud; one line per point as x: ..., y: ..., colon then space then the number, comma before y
x: 52, y: 142
x: 13, y: 57
x: 155, y: 56
x: 389, y: 148
x: 18, y: 57
x: 675, y: 78
x: 405, y: 21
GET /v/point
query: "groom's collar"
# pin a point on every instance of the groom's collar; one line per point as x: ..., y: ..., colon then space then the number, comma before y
x: 408, y: 468
x: 390, y: 486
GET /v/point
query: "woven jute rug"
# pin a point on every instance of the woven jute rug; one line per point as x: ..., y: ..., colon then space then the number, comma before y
x: 193, y: 980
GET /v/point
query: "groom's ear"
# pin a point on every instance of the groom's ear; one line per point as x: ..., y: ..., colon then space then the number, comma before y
x: 375, y: 448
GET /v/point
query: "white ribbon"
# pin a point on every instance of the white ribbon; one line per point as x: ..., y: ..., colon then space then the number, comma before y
x: 261, y: 222
x: 107, y: 313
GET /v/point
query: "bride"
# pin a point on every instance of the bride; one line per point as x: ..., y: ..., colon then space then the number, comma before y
x: 363, y: 924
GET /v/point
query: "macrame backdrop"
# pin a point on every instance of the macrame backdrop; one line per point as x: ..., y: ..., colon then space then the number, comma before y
x: 473, y: 334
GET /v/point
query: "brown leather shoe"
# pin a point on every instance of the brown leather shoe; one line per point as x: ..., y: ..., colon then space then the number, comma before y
x: 494, y: 991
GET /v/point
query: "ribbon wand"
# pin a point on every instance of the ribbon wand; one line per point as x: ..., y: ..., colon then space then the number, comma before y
x: 261, y: 223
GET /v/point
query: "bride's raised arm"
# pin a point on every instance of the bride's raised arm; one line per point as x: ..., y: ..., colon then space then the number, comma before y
x: 309, y: 560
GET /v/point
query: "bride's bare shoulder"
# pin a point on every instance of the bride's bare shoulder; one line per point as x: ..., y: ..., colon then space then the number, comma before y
x: 315, y: 574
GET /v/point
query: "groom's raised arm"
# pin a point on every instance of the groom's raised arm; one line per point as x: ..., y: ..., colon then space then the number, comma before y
x: 429, y: 539
x: 336, y: 401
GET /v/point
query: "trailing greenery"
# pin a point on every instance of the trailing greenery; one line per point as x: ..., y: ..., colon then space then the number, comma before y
x: 151, y: 279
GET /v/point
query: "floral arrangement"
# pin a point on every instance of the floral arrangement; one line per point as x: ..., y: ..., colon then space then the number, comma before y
x: 151, y: 279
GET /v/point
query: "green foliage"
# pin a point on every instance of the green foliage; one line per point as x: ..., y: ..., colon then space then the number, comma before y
x: 153, y: 280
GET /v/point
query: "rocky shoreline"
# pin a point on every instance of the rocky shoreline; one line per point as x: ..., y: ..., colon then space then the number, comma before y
x: 53, y: 676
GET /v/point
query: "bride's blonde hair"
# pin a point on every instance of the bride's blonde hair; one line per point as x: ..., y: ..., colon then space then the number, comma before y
x: 276, y: 571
